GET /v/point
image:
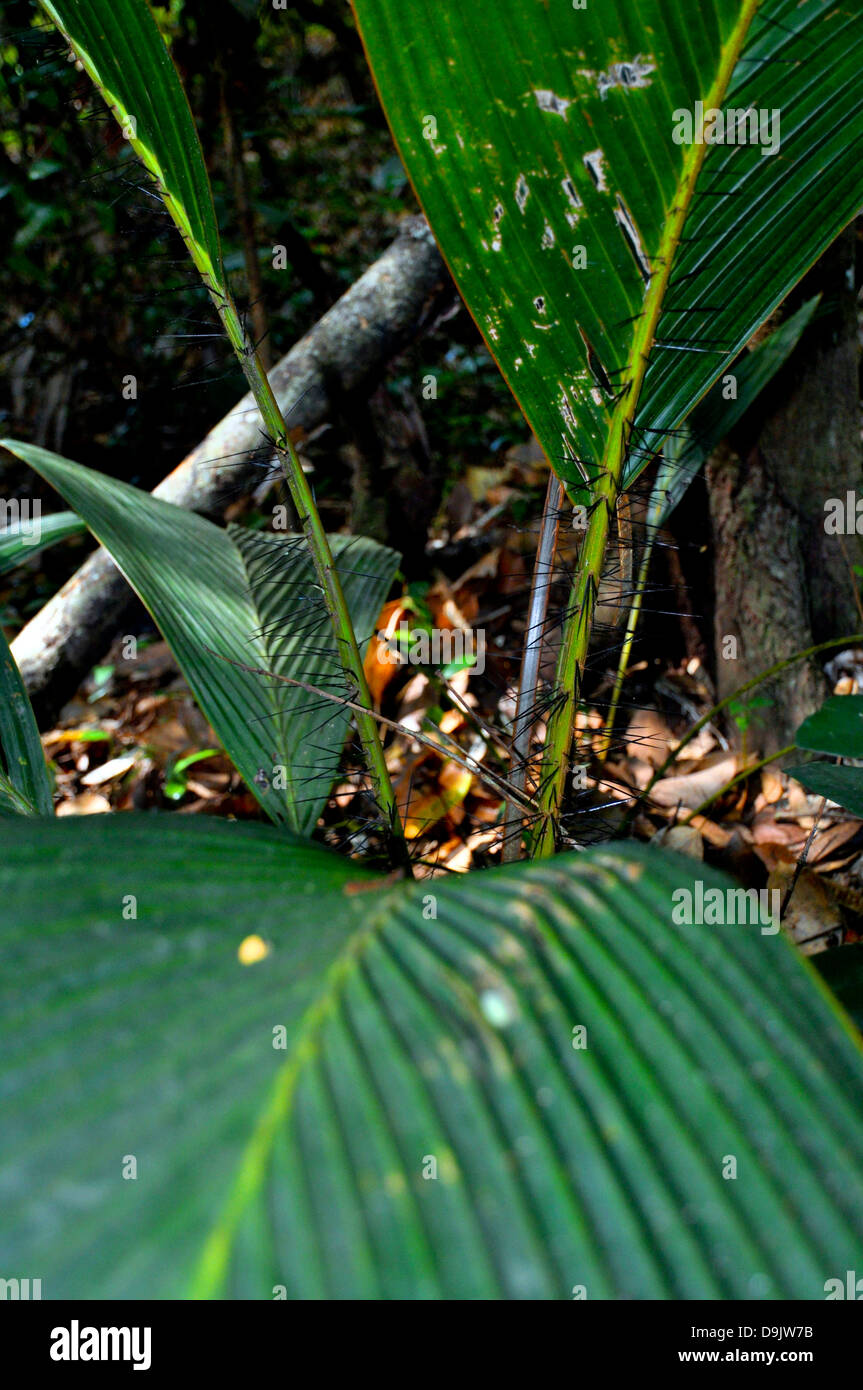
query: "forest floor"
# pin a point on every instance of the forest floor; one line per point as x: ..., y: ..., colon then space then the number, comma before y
x: 322, y: 174
x: 132, y: 738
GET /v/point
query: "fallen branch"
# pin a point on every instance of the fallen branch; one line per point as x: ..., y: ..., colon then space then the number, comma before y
x: 345, y: 351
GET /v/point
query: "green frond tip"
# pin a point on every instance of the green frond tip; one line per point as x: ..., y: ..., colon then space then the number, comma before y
x: 121, y: 49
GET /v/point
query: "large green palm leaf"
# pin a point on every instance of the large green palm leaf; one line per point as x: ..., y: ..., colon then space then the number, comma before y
x: 515, y: 1084
x: 225, y: 600
x: 538, y: 135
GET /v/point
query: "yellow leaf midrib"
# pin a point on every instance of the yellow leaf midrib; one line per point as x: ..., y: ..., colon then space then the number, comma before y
x: 615, y: 452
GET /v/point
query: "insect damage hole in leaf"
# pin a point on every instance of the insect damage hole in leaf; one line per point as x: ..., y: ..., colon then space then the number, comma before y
x: 594, y: 163
x: 627, y: 76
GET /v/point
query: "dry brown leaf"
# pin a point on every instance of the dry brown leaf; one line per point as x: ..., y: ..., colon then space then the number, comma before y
x: 699, y: 747
x: 415, y: 700
x: 812, y: 915
x: 168, y: 738
x: 636, y: 771
x: 450, y: 609
x: 773, y: 784
x: 203, y: 792
x: 455, y: 855
x: 87, y: 804
x: 828, y: 841
x: 683, y: 839
x: 426, y: 808
x: 485, y: 839
x: 648, y: 737
x: 109, y: 771
x: 692, y: 788
x: 719, y: 836
x: 379, y: 665
x: 777, y: 842
x: 797, y: 803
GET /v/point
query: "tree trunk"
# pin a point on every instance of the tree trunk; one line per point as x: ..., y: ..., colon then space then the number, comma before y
x: 782, y: 583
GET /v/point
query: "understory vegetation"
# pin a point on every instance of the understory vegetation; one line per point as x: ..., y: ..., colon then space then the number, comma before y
x: 431, y: 662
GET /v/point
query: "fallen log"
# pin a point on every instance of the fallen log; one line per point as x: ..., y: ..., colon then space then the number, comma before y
x: 345, y: 351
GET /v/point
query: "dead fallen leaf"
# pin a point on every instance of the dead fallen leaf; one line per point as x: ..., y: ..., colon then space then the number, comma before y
x: 828, y: 840
x: 683, y: 839
x: 428, y: 807
x: 773, y: 786
x: 692, y: 788
x: 87, y: 804
x: 812, y: 915
x: 648, y: 737
x: 381, y: 663
x: 777, y: 842
x: 719, y: 836
x: 109, y: 771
